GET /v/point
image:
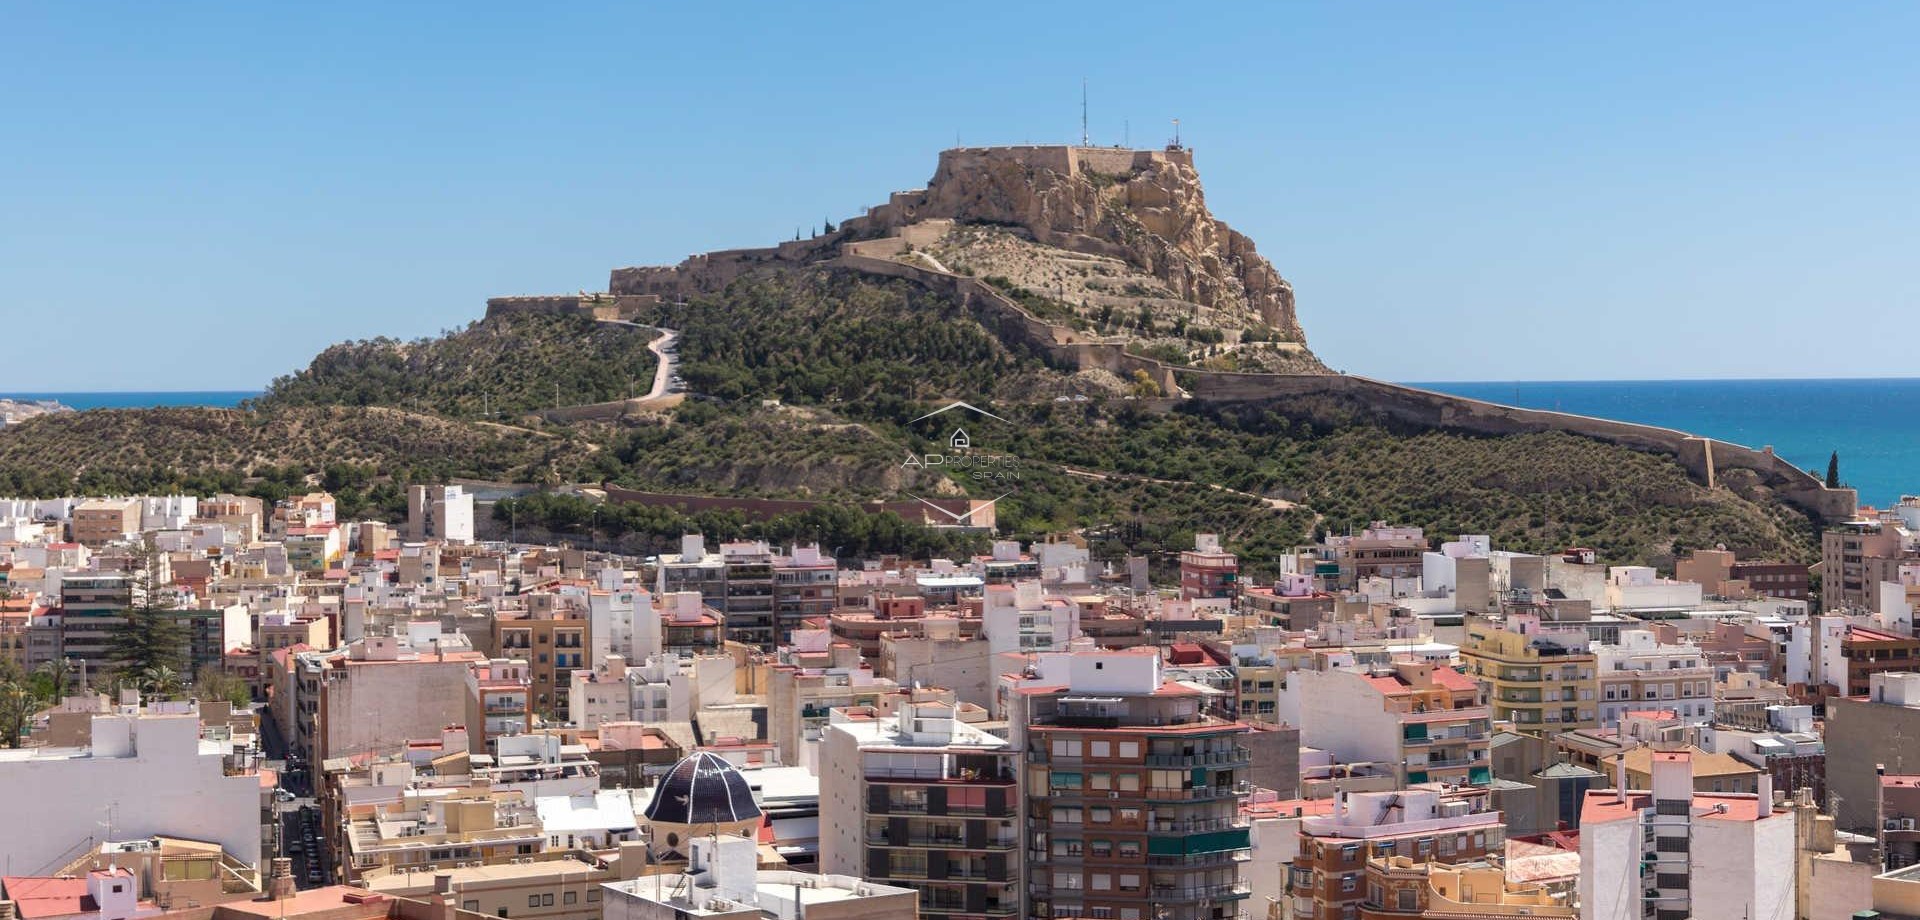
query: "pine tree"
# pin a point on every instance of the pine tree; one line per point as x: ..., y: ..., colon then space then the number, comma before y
x: 151, y: 641
x: 1833, y: 471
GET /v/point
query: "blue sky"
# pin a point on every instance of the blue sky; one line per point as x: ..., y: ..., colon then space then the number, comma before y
x: 206, y: 194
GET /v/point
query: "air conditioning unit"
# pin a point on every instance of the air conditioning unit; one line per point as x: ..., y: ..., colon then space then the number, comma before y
x: 433, y: 867
x: 1906, y: 824
x: 1116, y: 794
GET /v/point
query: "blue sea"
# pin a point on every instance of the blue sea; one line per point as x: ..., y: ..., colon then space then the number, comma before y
x: 219, y: 399
x: 1874, y: 424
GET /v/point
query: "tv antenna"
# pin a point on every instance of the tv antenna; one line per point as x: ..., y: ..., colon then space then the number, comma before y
x: 1176, y: 134
x: 1083, y: 111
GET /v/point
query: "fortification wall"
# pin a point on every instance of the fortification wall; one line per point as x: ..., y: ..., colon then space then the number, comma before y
x: 713, y: 271
x: 593, y: 306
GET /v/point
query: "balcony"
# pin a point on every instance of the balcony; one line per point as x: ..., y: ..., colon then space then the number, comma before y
x: 1199, y: 793
x: 1200, y: 860
x: 1235, y: 756
x: 1197, y: 825
x: 1224, y: 891
x: 941, y: 841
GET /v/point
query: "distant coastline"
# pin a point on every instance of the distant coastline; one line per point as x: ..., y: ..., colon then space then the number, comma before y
x: 1873, y: 423
x: 137, y: 399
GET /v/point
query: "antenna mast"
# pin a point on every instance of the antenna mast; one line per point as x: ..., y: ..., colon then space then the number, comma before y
x: 1083, y: 111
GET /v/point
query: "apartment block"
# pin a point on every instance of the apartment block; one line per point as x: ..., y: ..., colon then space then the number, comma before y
x: 1207, y: 571
x: 499, y: 701
x: 93, y: 607
x: 1673, y: 853
x: 1847, y: 554
x: 97, y: 522
x: 1542, y: 682
x: 416, y: 683
x: 1430, y: 723
x: 723, y: 881
x: 1327, y: 880
x: 1867, y: 732
x: 145, y: 768
x: 921, y: 800
x: 442, y: 513
x: 1133, y: 792
x: 553, y: 641
x: 1641, y: 672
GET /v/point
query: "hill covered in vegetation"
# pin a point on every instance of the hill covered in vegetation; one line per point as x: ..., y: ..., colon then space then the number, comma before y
x: 498, y: 367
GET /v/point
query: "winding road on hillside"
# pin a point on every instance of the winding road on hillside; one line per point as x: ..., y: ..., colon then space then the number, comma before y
x: 662, y: 349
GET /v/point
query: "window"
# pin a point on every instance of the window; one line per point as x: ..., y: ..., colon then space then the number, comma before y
x: 1102, y: 781
x: 1130, y: 814
x: 1066, y: 880
x: 593, y: 894
x: 1129, y: 782
x: 1349, y: 882
x: 1100, y: 814
x: 533, y: 900
x: 1129, y: 750
x: 1100, y: 848
x: 1066, y: 747
x: 1100, y: 749
x: 470, y: 906
x: 1100, y: 881
x: 1129, y: 849
x: 570, y: 897
x: 1129, y: 883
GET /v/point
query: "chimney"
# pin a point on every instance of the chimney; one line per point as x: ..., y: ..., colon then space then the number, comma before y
x: 443, y: 883
x: 1765, y: 793
x: 1620, y: 775
x: 280, y: 886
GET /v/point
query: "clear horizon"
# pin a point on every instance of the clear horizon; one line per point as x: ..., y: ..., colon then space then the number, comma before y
x: 1708, y: 190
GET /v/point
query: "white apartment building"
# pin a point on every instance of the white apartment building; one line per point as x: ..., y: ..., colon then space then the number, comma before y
x: 1640, y: 672
x: 1020, y: 617
x: 144, y: 773
x: 1674, y: 854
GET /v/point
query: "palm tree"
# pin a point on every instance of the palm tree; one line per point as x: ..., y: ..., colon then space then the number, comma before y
x: 160, y: 680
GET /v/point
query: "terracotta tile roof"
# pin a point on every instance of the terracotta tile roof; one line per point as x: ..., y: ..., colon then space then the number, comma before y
x: 1454, y: 680
x: 48, y: 897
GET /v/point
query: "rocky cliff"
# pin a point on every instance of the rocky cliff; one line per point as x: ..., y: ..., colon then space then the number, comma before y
x: 1143, y: 206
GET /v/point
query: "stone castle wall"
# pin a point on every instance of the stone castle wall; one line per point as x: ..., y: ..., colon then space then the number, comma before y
x: 593, y: 306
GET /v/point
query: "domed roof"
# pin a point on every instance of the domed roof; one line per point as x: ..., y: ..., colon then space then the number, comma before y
x: 702, y: 789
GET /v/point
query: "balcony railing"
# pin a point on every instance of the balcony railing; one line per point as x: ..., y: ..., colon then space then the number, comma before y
x: 1217, y: 892
x: 1199, y: 793
x: 1195, y: 825
x: 1234, y: 756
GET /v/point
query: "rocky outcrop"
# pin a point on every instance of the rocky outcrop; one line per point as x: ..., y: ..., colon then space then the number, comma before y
x: 1144, y: 206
